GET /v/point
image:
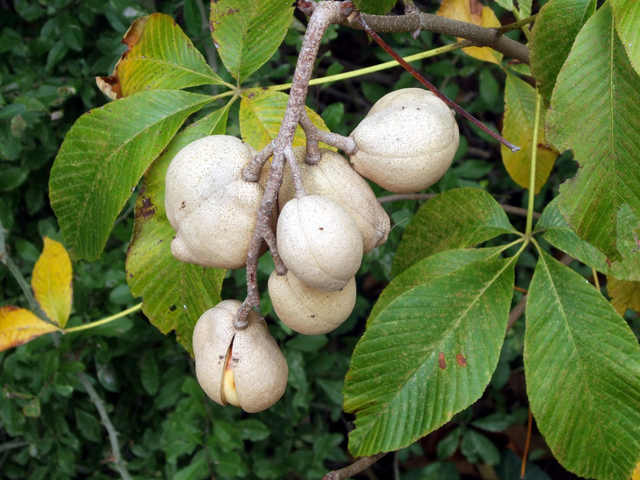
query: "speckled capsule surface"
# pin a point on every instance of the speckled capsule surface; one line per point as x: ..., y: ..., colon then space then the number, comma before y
x: 308, y: 310
x: 211, y: 207
x: 259, y: 368
x: 333, y: 177
x: 319, y: 242
x: 407, y: 141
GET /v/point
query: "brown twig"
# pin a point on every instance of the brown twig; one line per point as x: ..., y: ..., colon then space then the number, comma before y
x: 354, y: 468
x: 427, y: 196
x: 359, y: 18
x: 322, y: 14
x: 479, y: 36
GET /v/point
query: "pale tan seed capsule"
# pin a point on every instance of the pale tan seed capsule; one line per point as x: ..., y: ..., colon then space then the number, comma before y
x: 333, y: 177
x: 407, y: 141
x: 308, y: 310
x: 319, y: 242
x: 211, y: 207
x: 259, y: 369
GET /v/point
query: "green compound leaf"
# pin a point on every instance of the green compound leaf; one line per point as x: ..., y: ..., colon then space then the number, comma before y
x: 261, y: 115
x: 519, y: 116
x: 103, y: 157
x: 426, y: 270
x: 627, y: 18
x: 559, y: 234
x: 582, y: 364
x: 247, y: 33
x: 161, y: 56
x: 174, y: 293
x: 595, y: 111
x: 375, y: 7
x: 552, y: 36
x: 459, y: 218
x: 428, y: 355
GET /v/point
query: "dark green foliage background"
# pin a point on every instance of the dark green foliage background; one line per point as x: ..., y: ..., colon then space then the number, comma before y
x: 50, y: 52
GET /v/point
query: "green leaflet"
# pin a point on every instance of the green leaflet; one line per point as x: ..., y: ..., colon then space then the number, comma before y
x: 428, y: 269
x: 552, y: 36
x: 103, y: 157
x: 559, y: 234
x: 519, y: 115
x: 247, y: 33
x: 174, y: 293
x: 582, y: 364
x: 595, y: 111
x: 261, y: 115
x: 162, y: 58
x: 428, y: 355
x: 457, y: 218
x: 627, y: 17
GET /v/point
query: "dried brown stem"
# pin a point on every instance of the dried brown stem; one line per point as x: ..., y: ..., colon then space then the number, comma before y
x: 360, y: 19
x: 482, y: 37
x: 354, y: 468
x: 322, y: 14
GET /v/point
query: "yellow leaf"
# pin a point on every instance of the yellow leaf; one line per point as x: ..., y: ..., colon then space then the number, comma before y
x: 520, y: 104
x: 18, y: 326
x: 636, y: 473
x: 472, y: 11
x: 261, y: 114
x: 624, y: 295
x: 52, y: 282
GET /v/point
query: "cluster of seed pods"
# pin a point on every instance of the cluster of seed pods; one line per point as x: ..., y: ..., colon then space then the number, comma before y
x: 405, y: 144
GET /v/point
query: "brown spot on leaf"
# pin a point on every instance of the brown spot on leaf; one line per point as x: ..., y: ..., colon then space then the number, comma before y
x: 441, y: 361
x: 461, y: 360
x: 147, y: 208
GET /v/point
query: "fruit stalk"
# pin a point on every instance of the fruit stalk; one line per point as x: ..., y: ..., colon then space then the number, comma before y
x: 323, y: 14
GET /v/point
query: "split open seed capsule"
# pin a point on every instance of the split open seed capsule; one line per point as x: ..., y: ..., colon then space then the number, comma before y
x: 244, y: 368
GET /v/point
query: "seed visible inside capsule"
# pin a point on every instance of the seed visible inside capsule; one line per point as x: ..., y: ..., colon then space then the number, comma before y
x: 229, y: 393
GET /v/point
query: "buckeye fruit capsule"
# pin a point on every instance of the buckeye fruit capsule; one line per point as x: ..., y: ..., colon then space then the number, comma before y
x: 244, y: 368
x: 319, y: 242
x: 333, y: 177
x: 212, y: 208
x: 406, y: 142
x: 308, y: 310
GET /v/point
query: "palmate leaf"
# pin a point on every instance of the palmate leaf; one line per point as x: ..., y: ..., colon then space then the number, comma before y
x: 559, y: 234
x: 261, y: 115
x: 174, y: 293
x: 247, y: 33
x: 582, y: 364
x: 519, y: 118
x: 457, y: 218
x: 103, y: 157
x: 624, y: 294
x: 428, y: 269
x: 428, y: 355
x: 552, y: 36
x: 627, y: 18
x: 595, y: 111
x: 159, y: 57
